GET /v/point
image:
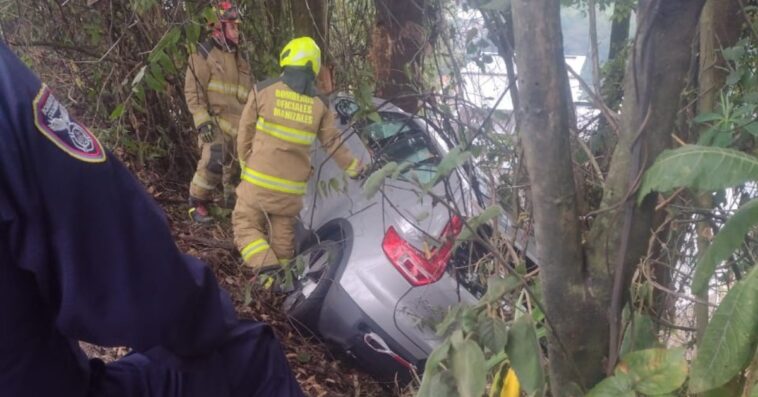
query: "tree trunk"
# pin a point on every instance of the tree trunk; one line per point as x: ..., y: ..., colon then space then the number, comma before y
x: 655, y: 77
x: 500, y: 27
x: 400, y: 38
x: 717, y: 30
x: 544, y: 123
x: 619, y: 38
x: 311, y: 18
x: 604, y: 140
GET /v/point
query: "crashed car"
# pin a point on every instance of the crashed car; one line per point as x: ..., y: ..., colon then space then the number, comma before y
x: 379, y: 271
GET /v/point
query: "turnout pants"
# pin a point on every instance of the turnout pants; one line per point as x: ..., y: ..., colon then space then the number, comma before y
x: 263, y: 235
x: 250, y: 363
x: 217, y: 165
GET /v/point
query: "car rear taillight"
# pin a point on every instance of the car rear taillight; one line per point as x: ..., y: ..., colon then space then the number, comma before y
x: 420, y: 269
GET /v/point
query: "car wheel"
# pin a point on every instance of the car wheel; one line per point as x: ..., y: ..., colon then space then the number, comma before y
x: 321, y: 262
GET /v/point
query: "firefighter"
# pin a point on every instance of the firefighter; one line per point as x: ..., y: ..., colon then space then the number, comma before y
x: 282, y: 118
x: 86, y: 254
x: 216, y: 86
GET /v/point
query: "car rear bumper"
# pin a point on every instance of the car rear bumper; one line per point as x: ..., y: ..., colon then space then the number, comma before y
x: 344, y: 323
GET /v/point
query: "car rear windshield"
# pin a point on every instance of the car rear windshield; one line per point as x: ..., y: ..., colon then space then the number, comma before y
x: 398, y: 138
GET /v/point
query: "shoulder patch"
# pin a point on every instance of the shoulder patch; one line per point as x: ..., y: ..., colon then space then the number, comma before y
x: 54, y: 122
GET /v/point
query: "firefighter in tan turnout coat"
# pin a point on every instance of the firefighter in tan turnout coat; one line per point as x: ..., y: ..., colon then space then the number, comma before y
x: 282, y: 119
x: 216, y: 87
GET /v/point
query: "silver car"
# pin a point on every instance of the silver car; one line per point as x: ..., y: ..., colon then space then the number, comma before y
x: 381, y: 271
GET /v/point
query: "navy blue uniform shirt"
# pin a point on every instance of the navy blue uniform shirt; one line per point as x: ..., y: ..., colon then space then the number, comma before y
x: 85, y: 254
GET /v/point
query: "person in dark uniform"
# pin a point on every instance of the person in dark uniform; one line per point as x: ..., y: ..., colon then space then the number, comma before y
x: 85, y: 254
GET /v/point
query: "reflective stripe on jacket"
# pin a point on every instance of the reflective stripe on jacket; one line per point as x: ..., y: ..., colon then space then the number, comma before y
x: 277, y: 128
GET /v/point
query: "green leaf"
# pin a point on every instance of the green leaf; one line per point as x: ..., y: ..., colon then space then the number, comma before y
x: 452, y: 160
x: 166, y: 63
x: 655, y: 371
x: 438, y: 354
x: 209, y: 15
x: 493, y: 333
x: 728, y: 239
x: 618, y: 385
x: 468, y: 320
x: 732, y: 388
x: 375, y: 181
x: 467, y: 367
x: 733, y: 53
x: 730, y: 338
x: 525, y: 354
x: 436, y: 385
x: 734, y: 77
x: 640, y: 335
x: 169, y: 40
x: 497, y: 287
x: 154, y: 84
x: 450, y: 318
x: 117, y: 112
x: 699, y: 168
x: 473, y: 224
x: 754, y: 392
x: 705, y: 117
x: 401, y: 168
x: 193, y: 32
x: 751, y: 128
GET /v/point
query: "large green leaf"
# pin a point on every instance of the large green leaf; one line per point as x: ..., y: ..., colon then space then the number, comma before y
x: 700, y: 168
x: 655, y: 371
x: 438, y: 354
x: 728, y: 239
x: 524, y: 353
x: 730, y: 338
x: 436, y: 385
x: 467, y: 366
x: 619, y: 385
x: 493, y: 333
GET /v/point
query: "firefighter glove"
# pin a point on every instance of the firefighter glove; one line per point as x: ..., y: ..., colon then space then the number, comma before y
x: 207, y: 133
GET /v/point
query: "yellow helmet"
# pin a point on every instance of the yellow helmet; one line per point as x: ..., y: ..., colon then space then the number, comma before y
x: 300, y: 52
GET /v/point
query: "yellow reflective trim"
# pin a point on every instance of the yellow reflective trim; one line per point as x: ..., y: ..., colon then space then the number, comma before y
x: 200, y: 117
x: 224, y: 125
x: 201, y: 182
x: 273, y: 183
x: 242, y: 93
x: 293, y: 96
x: 285, y: 133
x: 254, y: 248
x: 238, y: 91
x: 352, y: 169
